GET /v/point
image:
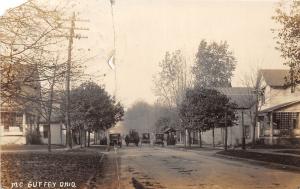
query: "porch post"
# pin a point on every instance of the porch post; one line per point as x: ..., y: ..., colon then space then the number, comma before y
x: 24, y: 124
x: 271, y: 128
x: 180, y: 137
x: 186, y: 138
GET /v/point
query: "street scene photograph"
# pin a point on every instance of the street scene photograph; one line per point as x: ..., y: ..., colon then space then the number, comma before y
x: 150, y: 94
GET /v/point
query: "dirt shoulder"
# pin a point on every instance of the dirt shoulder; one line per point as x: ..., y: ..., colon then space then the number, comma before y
x: 291, y: 161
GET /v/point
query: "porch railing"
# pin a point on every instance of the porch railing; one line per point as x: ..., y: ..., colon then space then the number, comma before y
x: 279, y: 132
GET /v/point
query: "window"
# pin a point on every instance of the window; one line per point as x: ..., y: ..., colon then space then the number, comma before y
x: 247, y: 131
x: 8, y: 119
x: 262, y: 96
x: 45, y: 131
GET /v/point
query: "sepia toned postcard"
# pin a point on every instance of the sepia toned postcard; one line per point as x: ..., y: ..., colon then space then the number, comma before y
x: 150, y: 94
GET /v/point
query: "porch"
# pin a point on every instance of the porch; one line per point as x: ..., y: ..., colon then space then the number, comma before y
x: 280, y: 124
x: 14, y: 126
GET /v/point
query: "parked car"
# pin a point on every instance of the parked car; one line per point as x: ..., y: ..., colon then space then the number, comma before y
x: 145, y: 138
x: 132, y: 137
x: 159, y: 139
x: 115, y: 139
x: 103, y: 141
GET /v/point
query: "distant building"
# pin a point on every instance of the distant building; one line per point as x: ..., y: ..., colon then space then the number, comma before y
x: 245, y: 99
x: 279, y: 107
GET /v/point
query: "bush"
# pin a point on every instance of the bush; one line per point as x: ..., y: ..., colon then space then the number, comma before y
x: 33, y: 138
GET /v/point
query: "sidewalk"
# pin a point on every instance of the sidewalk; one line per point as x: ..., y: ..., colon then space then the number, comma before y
x: 264, y: 157
x: 284, y: 152
x: 33, y: 148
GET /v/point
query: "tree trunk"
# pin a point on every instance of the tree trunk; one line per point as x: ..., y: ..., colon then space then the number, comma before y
x: 89, y: 138
x: 243, y: 134
x: 186, y: 138
x: 38, y: 127
x: 199, y: 139
x: 84, y: 138
x: 226, y: 131
x: 190, y: 141
x: 49, y: 137
x: 213, y: 136
x: 255, y: 122
x: 80, y: 138
x: 255, y: 119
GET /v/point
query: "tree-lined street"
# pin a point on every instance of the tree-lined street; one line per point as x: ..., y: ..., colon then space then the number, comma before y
x: 150, y: 107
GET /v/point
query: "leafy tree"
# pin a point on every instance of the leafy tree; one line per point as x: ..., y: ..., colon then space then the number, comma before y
x: 144, y: 117
x: 214, y: 65
x: 171, y: 81
x: 204, y: 109
x: 165, y: 122
x: 288, y: 38
x: 93, y: 109
x: 140, y: 117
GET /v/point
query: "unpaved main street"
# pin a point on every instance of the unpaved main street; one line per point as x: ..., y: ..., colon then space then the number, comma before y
x: 154, y: 167
x: 139, y: 168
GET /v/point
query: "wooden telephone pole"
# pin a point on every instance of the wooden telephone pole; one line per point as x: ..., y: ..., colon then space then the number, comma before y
x: 71, y: 36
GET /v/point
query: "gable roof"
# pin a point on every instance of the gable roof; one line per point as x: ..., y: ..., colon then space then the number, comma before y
x: 275, y: 77
x: 243, y: 97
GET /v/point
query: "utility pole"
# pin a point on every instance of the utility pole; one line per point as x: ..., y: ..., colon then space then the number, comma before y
x: 226, y: 131
x: 71, y: 36
x: 68, y: 124
x: 243, y: 130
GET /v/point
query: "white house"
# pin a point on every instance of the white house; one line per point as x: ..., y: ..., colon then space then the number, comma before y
x: 279, y: 107
x: 20, y: 112
x: 245, y: 99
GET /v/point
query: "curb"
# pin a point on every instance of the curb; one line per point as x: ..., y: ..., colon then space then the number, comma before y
x: 262, y: 163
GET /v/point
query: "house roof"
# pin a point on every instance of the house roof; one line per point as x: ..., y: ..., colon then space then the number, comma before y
x: 243, y: 97
x: 169, y: 130
x: 275, y: 77
x: 279, y: 107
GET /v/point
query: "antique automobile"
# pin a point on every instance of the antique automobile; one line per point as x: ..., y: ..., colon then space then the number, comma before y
x: 159, y: 139
x: 115, y: 139
x: 145, y: 138
x: 132, y: 137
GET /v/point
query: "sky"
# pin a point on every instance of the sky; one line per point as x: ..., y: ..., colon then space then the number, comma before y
x: 4, y: 5
x: 146, y: 29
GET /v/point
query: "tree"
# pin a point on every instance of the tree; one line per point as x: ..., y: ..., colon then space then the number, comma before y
x: 164, y: 122
x: 214, y: 65
x: 253, y: 81
x: 140, y: 117
x: 205, y: 109
x: 26, y: 37
x: 144, y: 117
x: 171, y: 81
x: 93, y: 109
x: 28, y: 40
x: 288, y: 38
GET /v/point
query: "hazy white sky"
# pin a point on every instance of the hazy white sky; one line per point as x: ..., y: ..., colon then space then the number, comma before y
x: 146, y: 29
x: 6, y: 4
